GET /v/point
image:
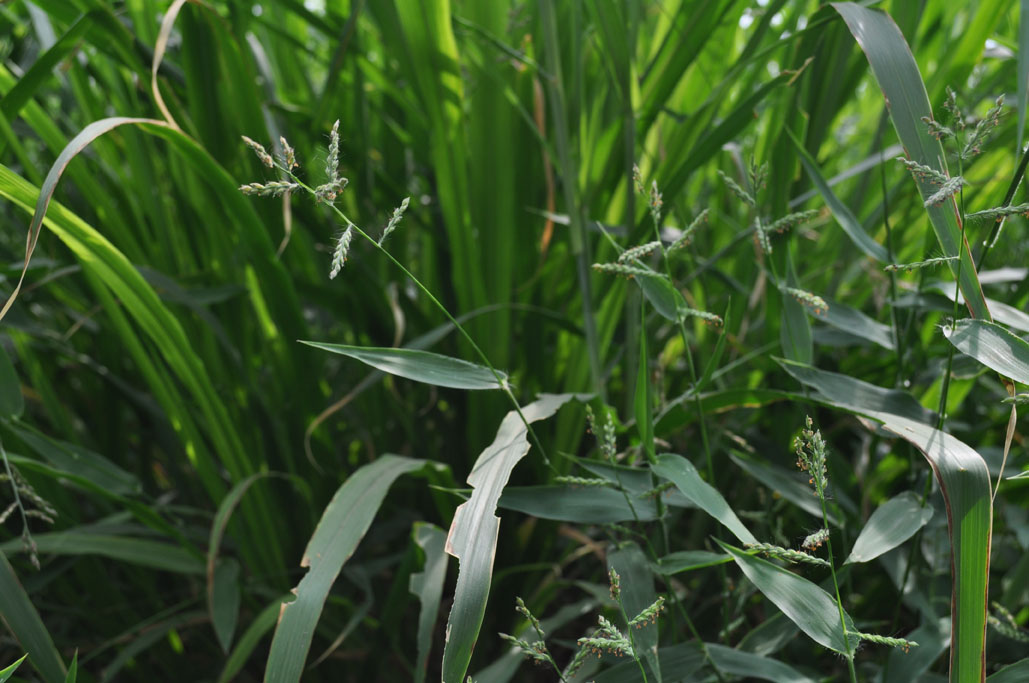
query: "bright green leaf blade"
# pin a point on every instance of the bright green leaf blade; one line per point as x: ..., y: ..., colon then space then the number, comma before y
x: 24, y: 623
x: 684, y: 475
x: 892, y: 523
x: 428, y: 586
x: 78, y: 461
x: 225, y: 600
x: 897, y: 73
x: 807, y: 605
x: 139, y: 551
x: 847, y: 220
x: 342, y: 526
x: 8, y: 671
x: 790, y: 484
x: 965, y: 482
x: 11, y: 402
x: 473, y: 532
x: 993, y: 346
x: 751, y: 666
x: 662, y: 295
x: 420, y: 366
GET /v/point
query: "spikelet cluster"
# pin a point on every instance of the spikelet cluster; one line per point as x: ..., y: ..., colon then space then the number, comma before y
x: 901, y: 643
x: 711, y: 319
x: 638, y: 252
x: 815, y: 540
x: 811, y: 455
x: 790, y: 220
x: 928, y: 263
x: 1003, y: 622
x: 657, y: 490
x: 786, y: 554
x: 947, y: 190
x: 584, y: 482
x: 745, y: 196
x: 31, y: 505
x: 604, y: 433
x: 607, y: 638
x: 813, y: 302
x: 260, y: 151
x: 275, y: 188
x: 687, y: 235
x: 627, y: 271
x: 289, y: 155
x: 339, y: 254
x: 999, y: 213
x: 394, y: 220
x: 649, y: 615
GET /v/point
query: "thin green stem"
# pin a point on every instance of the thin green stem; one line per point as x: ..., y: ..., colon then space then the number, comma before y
x: 836, y: 586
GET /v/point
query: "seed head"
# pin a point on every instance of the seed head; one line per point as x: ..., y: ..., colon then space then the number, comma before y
x: 339, y: 256
x: 260, y: 151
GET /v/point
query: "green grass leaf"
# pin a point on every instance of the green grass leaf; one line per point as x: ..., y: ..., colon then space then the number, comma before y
x: 897, y: 73
x: 684, y: 475
x: 138, y: 551
x: 892, y: 523
x: 807, y: 605
x: 8, y: 671
x: 420, y: 366
x: 23, y: 621
x: 428, y: 586
x: 342, y: 526
x: 11, y: 402
x: 993, y: 346
x: 473, y: 532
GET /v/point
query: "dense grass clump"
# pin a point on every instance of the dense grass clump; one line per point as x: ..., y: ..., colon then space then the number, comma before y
x: 333, y: 330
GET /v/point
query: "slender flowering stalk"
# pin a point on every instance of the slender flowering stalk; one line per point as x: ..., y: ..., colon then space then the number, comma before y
x: 332, y: 160
x: 584, y: 482
x: 627, y: 271
x: 790, y: 220
x: 638, y: 252
x: 901, y: 643
x: 276, y: 188
x: 946, y: 191
x: 736, y: 189
x: 812, y: 301
x: 928, y: 263
x: 999, y: 213
x: 687, y: 235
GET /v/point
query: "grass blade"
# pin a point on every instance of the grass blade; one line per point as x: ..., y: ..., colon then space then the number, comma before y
x: 843, y: 215
x: 428, y: 586
x: 138, y: 551
x: 24, y: 623
x: 892, y: 523
x: 8, y: 671
x: 807, y: 605
x: 993, y: 346
x: 473, y: 531
x: 420, y: 366
x: 343, y: 524
x: 897, y: 73
x: 684, y: 475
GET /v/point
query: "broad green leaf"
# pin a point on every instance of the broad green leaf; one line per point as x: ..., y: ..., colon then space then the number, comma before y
x: 807, y: 605
x: 637, y: 594
x: 592, y: 505
x: 11, y: 402
x: 855, y: 394
x: 688, y: 560
x: 753, y: 667
x: 892, y: 523
x: 897, y: 73
x: 965, y: 482
x: 474, y: 529
x: 428, y: 586
x: 139, y: 551
x: 8, y: 671
x: 342, y: 526
x: 684, y: 475
x: 662, y: 295
x: 22, y: 620
x: 795, y: 329
x: 420, y: 366
x: 847, y: 220
x: 993, y: 346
